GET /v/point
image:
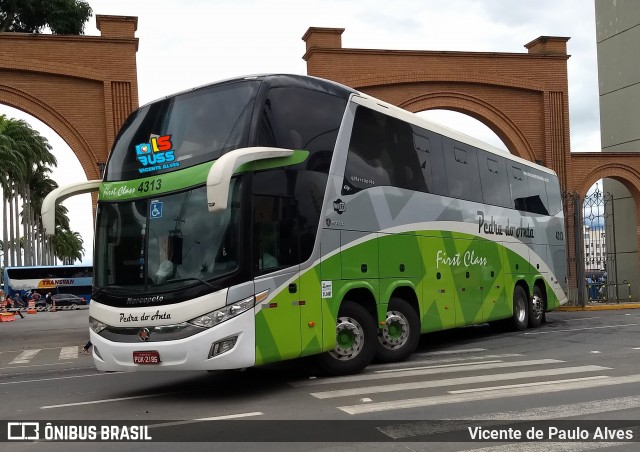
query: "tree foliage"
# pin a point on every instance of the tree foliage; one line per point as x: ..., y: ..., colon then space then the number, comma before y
x: 63, y: 17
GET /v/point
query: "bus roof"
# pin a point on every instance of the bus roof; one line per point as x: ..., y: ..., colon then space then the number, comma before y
x: 381, y: 106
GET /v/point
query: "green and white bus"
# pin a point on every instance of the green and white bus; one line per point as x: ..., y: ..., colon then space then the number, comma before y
x: 273, y: 217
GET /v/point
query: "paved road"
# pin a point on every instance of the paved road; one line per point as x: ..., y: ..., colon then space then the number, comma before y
x: 578, y: 366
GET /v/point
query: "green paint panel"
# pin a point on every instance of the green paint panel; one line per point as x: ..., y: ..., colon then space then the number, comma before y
x: 359, y: 261
x: 185, y: 178
x: 400, y: 256
x: 447, y: 263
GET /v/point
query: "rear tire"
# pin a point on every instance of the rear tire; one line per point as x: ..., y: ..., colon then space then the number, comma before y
x: 399, y: 337
x: 520, y: 318
x: 536, y: 308
x: 355, y: 341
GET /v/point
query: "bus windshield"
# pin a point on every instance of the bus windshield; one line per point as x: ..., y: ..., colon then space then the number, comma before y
x: 183, y: 130
x: 166, y: 243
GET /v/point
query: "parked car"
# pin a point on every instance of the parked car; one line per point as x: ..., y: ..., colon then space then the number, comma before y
x: 67, y: 299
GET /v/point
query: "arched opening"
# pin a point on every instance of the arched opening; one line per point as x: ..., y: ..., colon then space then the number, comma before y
x: 69, y: 170
x: 465, y: 124
x: 610, y: 242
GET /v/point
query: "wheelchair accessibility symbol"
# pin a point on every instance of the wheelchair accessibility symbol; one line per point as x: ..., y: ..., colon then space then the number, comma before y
x: 155, y: 209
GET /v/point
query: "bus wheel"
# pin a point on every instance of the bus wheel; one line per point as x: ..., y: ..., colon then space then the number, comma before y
x: 536, y: 308
x: 355, y: 341
x: 520, y: 318
x: 399, y: 337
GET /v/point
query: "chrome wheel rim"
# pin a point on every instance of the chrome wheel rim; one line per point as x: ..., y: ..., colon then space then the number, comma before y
x: 395, y: 332
x: 349, y: 339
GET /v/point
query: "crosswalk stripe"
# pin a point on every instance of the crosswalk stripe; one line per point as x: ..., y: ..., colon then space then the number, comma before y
x: 25, y: 356
x: 453, y: 352
x: 487, y: 395
x: 549, y: 447
x: 564, y: 411
x: 420, y: 371
x: 497, y: 419
x: 454, y: 381
x: 69, y: 353
x: 524, y: 385
x: 423, y: 359
x: 459, y: 361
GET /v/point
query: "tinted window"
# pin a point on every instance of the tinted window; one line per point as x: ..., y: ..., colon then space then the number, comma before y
x: 537, y: 199
x: 528, y: 189
x: 519, y: 187
x: 461, y: 163
x: 553, y: 195
x: 428, y: 146
x: 382, y: 152
x: 298, y: 118
x: 183, y: 130
x: 275, y: 233
x: 493, y: 176
x: 307, y: 188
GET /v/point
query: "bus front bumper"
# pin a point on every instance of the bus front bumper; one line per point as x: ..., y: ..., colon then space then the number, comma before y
x: 191, y: 353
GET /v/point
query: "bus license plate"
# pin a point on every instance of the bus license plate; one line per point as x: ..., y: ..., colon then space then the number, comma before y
x: 146, y: 357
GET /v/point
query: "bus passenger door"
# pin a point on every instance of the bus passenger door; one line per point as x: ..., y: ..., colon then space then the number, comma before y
x: 276, y: 266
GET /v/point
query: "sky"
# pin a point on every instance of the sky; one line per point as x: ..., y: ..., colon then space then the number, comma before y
x: 210, y: 40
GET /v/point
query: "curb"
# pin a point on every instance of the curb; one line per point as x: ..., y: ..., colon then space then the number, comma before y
x: 603, y: 307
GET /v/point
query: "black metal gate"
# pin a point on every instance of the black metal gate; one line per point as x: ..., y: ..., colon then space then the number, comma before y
x: 597, y: 246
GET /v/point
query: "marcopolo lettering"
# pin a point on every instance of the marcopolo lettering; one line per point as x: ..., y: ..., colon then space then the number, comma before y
x: 145, y: 300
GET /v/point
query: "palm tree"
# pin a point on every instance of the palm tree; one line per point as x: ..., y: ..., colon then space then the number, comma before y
x: 68, y: 246
x: 26, y: 157
x: 40, y: 186
x: 12, y: 169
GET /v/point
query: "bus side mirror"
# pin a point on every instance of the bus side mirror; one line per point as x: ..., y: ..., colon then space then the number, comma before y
x: 60, y: 194
x: 220, y: 173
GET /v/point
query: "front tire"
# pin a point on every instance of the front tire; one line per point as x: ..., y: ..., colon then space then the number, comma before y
x: 355, y: 341
x: 520, y: 318
x: 399, y: 337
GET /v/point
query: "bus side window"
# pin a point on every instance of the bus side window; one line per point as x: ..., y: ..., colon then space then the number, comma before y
x: 428, y: 148
x: 367, y: 161
x: 462, y: 170
x: 405, y: 165
x: 495, y: 183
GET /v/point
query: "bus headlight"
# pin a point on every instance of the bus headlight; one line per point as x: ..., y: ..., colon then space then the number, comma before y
x: 96, y: 325
x: 213, y: 318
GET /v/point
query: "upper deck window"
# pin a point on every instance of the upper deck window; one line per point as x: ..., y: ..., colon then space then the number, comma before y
x: 183, y: 130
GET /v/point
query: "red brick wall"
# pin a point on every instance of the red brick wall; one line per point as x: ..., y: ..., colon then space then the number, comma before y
x: 81, y: 86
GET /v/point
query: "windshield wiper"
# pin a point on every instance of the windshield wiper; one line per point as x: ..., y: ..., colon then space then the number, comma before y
x: 193, y: 278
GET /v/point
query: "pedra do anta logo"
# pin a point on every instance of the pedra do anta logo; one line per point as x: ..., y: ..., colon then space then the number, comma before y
x: 157, y: 154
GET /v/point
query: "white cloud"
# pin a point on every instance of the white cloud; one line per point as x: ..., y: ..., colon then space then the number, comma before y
x: 204, y: 41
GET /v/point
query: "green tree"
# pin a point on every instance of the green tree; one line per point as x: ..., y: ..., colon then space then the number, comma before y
x: 24, y: 176
x: 63, y: 17
x: 68, y: 246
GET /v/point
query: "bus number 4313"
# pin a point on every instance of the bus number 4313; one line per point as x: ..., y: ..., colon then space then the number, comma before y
x: 150, y: 185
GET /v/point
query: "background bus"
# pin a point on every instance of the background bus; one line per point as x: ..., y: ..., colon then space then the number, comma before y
x: 67, y: 279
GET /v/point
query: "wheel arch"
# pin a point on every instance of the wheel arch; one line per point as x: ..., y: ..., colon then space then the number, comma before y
x: 408, y: 294
x: 362, y: 295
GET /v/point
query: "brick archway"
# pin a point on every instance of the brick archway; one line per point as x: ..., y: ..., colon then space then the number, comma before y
x: 479, y: 109
x: 83, y: 87
x: 522, y: 97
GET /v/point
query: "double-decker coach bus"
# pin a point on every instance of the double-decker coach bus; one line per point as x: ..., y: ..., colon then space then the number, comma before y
x: 271, y: 217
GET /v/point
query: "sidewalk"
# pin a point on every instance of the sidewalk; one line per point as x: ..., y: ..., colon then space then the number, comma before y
x: 602, y: 306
